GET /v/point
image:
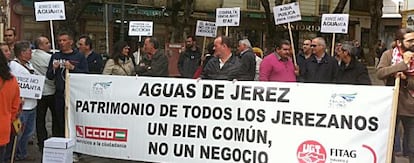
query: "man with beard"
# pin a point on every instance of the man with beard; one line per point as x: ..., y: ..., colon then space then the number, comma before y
x: 398, y: 62
x: 190, y: 59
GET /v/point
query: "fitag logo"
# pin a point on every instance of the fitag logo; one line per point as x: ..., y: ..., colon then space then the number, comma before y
x: 311, y: 151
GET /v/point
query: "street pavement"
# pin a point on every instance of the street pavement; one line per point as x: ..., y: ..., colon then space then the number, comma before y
x: 34, y: 152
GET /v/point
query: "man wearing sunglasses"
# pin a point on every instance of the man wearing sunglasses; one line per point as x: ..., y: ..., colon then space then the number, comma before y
x: 321, y: 67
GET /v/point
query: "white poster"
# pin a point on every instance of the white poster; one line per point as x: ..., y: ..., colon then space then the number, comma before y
x: 31, y: 86
x: 205, y: 28
x: 410, y: 21
x: 140, y: 28
x: 287, y: 13
x: 334, y: 23
x: 228, y: 16
x: 49, y: 10
x: 187, y: 121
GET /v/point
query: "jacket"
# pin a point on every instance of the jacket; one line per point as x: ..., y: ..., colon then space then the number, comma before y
x: 324, y: 71
x: 386, y: 71
x: 155, y: 66
x: 125, y: 68
x: 229, y: 71
x: 188, y: 62
x: 10, y: 104
x: 354, y: 73
x: 248, y: 65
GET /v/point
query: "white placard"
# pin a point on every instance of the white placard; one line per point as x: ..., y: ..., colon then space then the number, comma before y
x: 205, y: 28
x: 31, y: 86
x: 140, y: 28
x: 287, y: 13
x: 334, y: 23
x: 189, y: 121
x: 410, y: 21
x: 50, y: 10
x: 228, y: 16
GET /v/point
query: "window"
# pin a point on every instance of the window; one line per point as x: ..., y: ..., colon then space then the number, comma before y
x: 253, y: 4
x: 324, y: 6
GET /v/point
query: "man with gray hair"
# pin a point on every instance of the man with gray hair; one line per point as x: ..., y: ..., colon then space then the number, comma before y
x: 321, y: 67
x: 248, y: 61
x: 351, y: 71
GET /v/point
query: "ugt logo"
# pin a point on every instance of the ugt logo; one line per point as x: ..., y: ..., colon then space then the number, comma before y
x: 311, y: 152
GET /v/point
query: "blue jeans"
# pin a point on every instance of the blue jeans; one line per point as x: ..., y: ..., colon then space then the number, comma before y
x: 28, y: 119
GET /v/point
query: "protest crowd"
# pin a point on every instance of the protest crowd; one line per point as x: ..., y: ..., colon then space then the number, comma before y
x: 222, y: 60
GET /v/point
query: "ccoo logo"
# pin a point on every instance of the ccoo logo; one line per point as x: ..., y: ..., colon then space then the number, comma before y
x: 311, y: 151
x: 99, y: 133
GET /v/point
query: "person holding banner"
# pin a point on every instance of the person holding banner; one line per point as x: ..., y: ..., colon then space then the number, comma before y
x: 67, y: 59
x: 9, y: 102
x: 23, y: 54
x: 321, y: 67
x: 190, y: 58
x: 278, y: 66
x: 120, y: 63
x: 154, y: 62
x: 351, y: 71
x: 398, y: 63
x: 225, y: 65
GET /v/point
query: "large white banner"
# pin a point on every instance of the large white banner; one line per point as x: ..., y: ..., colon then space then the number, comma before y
x: 187, y: 121
x: 31, y: 86
x: 50, y: 10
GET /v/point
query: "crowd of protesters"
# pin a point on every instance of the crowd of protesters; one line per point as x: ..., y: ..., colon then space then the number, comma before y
x: 221, y: 62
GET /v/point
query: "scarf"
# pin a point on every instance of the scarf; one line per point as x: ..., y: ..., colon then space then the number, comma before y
x: 397, y: 58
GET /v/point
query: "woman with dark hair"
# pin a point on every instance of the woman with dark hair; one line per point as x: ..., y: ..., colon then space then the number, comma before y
x: 9, y: 103
x: 120, y: 63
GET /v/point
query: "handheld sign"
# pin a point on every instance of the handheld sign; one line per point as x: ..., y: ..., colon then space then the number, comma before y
x: 334, y: 23
x: 50, y: 10
x: 31, y: 86
x: 228, y: 16
x: 205, y: 28
x: 140, y: 28
x: 287, y: 13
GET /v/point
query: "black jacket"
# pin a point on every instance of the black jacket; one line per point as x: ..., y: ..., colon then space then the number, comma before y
x: 323, y: 72
x: 188, y: 62
x: 354, y: 73
x: 248, y: 65
x: 156, y: 66
x: 95, y: 63
x: 229, y: 71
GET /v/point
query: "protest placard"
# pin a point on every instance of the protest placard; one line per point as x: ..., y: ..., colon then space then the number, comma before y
x: 31, y: 86
x: 140, y: 28
x: 287, y: 13
x: 49, y: 10
x: 205, y: 28
x: 334, y: 23
x: 228, y: 16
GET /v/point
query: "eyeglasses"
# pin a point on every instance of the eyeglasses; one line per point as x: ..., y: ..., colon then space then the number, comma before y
x: 8, y: 35
x: 306, y: 44
x: 313, y: 45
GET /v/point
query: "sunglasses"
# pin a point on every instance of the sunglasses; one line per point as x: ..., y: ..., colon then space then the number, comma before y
x: 313, y: 45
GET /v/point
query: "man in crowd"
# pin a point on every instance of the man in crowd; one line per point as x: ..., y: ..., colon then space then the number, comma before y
x: 10, y: 38
x: 40, y: 60
x: 247, y: 59
x: 95, y: 63
x: 303, y: 55
x: 154, y: 62
x: 350, y: 70
x: 278, y: 66
x: 69, y: 59
x: 398, y: 63
x: 190, y: 59
x: 321, y: 67
x: 225, y: 65
x: 21, y: 66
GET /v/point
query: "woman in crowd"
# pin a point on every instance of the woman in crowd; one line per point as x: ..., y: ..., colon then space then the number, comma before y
x: 9, y: 102
x: 120, y: 63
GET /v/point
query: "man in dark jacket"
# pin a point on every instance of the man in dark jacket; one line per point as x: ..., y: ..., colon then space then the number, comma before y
x: 95, y: 61
x: 321, y: 67
x: 247, y: 59
x: 154, y: 62
x: 72, y: 60
x: 351, y: 71
x: 190, y: 59
x: 225, y: 65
